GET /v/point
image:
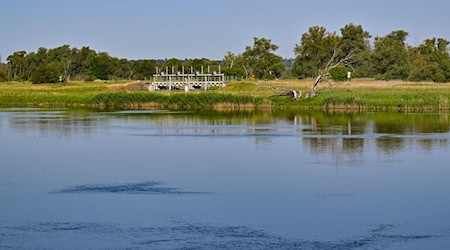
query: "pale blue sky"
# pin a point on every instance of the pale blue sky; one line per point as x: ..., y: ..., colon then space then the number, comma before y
x: 139, y: 29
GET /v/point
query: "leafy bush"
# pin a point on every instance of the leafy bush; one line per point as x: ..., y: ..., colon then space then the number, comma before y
x: 89, y: 78
x: 238, y: 72
x: 45, y: 74
x: 339, y: 73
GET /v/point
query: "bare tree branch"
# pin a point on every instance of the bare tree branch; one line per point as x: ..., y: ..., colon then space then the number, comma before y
x: 347, y: 61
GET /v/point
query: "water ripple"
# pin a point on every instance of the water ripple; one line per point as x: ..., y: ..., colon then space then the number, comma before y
x: 183, y: 235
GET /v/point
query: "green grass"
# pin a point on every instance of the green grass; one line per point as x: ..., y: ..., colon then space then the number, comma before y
x: 174, y: 100
x: 27, y: 94
x: 357, y: 95
x: 417, y: 98
x: 371, y: 95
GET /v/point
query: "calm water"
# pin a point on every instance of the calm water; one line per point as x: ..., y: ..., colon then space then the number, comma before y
x: 174, y: 180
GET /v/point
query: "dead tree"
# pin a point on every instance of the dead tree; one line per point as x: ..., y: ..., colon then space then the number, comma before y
x: 294, y: 94
x: 334, y: 62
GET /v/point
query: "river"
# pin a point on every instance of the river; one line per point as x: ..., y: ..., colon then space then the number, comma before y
x: 72, y: 179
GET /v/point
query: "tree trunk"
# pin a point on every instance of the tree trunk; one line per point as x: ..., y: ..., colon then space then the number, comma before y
x: 294, y: 94
x: 315, y: 85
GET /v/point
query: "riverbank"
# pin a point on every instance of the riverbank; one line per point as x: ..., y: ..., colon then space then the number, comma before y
x: 357, y: 95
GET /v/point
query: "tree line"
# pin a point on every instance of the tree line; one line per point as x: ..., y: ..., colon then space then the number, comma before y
x: 386, y: 57
x: 65, y: 64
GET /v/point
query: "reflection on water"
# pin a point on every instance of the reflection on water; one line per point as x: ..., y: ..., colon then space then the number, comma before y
x: 338, y: 134
x: 347, y: 135
x: 343, y: 136
x: 59, y: 123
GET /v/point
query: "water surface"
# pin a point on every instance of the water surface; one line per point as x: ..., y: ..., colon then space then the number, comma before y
x: 174, y: 180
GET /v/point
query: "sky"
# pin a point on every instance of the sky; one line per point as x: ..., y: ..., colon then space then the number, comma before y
x: 150, y: 29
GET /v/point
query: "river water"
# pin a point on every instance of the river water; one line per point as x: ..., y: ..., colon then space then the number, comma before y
x: 72, y: 179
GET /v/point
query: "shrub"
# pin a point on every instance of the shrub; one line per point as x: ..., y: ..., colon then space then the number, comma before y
x: 89, y: 78
x: 237, y: 72
x: 339, y: 73
x: 45, y: 74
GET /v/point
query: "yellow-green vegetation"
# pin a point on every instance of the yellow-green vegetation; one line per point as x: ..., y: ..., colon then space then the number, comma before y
x: 196, y: 101
x: 356, y: 95
x: 49, y: 95
x: 362, y: 94
x: 119, y: 95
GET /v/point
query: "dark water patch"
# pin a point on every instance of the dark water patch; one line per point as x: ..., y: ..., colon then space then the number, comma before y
x: 379, y: 237
x: 379, y: 240
x: 8, y: 247
x: 152, y: 242
x: 150, y: 187
x: 196, y: 236
x: 53, y: 227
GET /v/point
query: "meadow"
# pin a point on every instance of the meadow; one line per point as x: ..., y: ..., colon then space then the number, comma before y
x: 360, y: 94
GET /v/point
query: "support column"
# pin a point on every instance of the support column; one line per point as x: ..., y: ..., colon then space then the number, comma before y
x: 187, y: 86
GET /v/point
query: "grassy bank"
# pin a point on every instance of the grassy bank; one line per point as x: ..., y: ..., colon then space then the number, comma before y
x: 49, y: 95
x: 359, y: 95
x: 356, y: 95
x: 176, y: 100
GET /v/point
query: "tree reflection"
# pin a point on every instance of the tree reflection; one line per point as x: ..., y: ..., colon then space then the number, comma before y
x: 347, y: 135
x: 63, y: 124
x: 342, y: 136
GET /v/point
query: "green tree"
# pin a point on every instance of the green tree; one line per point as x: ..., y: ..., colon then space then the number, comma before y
x: 196, y: 65
x: 260, y: 60
x: 355, y: 40
x: 17, y: 64
x: 313, y: 53
x: 228, y: 60
x: 81, y: 63
x: 321, y: 52
x: 46, y: 74
x: 3, y: 73
x: 122, y: 68
x: 144, y: 69
x: 233, y: 65
x: 174, y: 64
x: 35, y: 60
x: 100, y: 66
x: 235, y: 71
x: 62, y: 57
x: 430, y: 61
x: 390, y: 57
